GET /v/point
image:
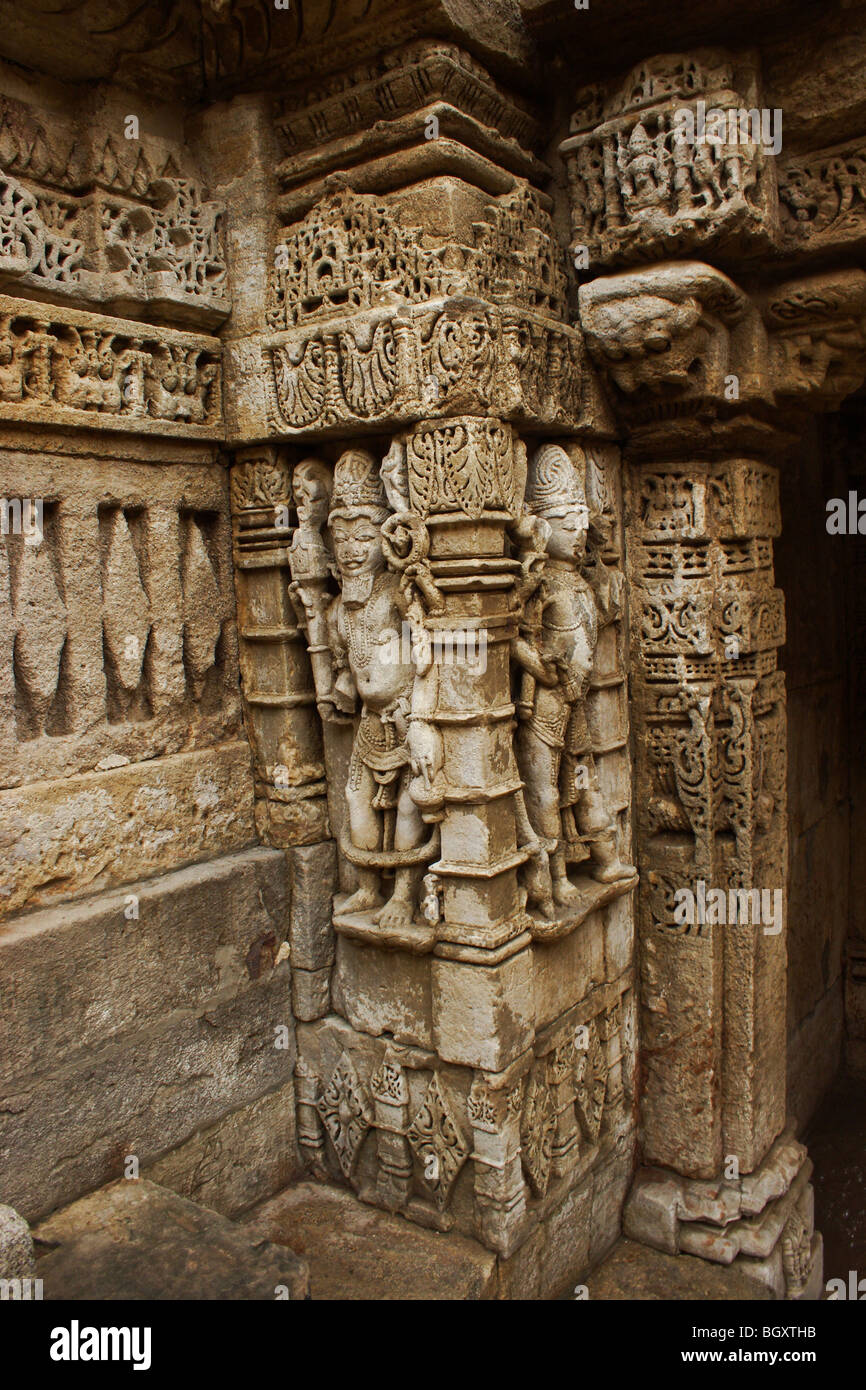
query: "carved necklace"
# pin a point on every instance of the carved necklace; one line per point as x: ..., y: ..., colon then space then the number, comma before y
x: 359, y: 644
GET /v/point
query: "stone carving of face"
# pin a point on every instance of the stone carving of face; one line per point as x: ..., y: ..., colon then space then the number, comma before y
x: 567, y: 539
x: 358, y: 547
x: 311, y: 500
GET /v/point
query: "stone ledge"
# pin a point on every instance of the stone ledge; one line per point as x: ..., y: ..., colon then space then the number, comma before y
x: 377, y: 1256
x: 136, y: 1240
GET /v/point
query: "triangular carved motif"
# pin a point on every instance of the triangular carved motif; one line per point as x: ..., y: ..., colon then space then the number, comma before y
x: 201, y: 609
x: 126, y: 608
x: 41, y: 622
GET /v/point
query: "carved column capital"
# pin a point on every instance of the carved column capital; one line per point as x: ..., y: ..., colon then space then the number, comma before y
x: 679, y: 344
x: 817, y: 336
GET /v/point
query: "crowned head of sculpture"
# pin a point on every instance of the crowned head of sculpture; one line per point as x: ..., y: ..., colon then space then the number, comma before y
x: 358, y: 509
x: 554, y: 492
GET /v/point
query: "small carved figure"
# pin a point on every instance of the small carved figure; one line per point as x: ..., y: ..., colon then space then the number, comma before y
x: 644, y: 175
x: 11, y: 367
x: 556, y: 649
x: 392, y: 739
x: 311, y: 565
x: 134, y: 368
x: 38, y: 345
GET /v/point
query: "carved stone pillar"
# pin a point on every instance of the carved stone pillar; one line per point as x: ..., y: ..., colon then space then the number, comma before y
x: 279, y: 698
x: 677, y: 158
x: 680, y: 344
x: 436, y: 440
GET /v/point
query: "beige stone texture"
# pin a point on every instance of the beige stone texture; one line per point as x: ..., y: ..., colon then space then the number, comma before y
x: 135, y: 1240
x: 430, y: 440
x: 377, y: 1256
x: 247, y: 1156
x: 110, y: 828
x: 129, y: 1059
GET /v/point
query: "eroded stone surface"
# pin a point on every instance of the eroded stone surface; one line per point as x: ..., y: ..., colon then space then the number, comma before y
x: 338, y: 724
x: 377, y: 1256
x: 17, y: 1260
x: 136, y: 1240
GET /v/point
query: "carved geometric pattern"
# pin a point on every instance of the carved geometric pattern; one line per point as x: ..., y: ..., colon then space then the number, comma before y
x: 537, y: 1129
x: 389, y: 1083
x: 590, y: 1084
x: 345, y: 1111
x: 438, y: 1143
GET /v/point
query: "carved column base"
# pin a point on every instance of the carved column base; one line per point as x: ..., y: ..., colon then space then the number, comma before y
x: 760, y: 1225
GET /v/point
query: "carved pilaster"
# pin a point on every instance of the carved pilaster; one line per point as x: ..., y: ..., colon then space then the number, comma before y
x: 279, y: 697
x: 494, y: 1112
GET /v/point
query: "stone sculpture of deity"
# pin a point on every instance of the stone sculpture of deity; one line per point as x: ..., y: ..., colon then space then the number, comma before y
x: 392, y: 741
x: 644, y: 175
x: 555, y: 650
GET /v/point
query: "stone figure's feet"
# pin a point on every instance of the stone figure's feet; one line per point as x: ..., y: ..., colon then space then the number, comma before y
x: 564, y: 893
x: 613, y: 872
x: 396, y: 913
x: 363, y: 900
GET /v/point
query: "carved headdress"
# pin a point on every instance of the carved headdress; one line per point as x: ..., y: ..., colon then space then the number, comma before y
x: 358, y: 489
x: 553, y: 486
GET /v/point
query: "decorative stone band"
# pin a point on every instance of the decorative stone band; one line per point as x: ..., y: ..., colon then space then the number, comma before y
x: 644, y: 182
x: 818, y: 337
x: 163, y: 249
x: 439, y: 359
x: 69, y: 367
x: 409, y: 1132
x: 426, y: 70
x: 822, y: 199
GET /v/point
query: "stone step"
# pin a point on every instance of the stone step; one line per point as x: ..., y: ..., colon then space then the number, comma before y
x: 137, y: 1240
x: 633, y: 1271
x: 355, y: 1251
